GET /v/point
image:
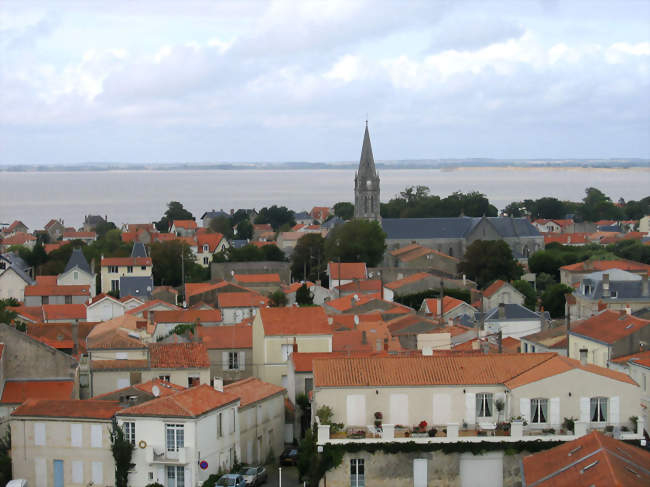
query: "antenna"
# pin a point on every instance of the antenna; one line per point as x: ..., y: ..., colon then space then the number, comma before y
x: 155, y: 391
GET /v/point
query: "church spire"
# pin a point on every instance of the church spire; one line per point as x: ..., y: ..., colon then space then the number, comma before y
x: 367, y: 162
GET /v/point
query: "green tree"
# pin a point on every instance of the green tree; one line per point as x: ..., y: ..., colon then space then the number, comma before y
x: 547, y: 262
x: 222, y: 225
x: 554, y: 299
x: 527, y: 290
x: 244, y: 230
x: 597, y: 206
x: 344, y: 210
x: 175, y: 211
x: 273, y: 253
x: 356, y: 241
x: 550, y: 208
x: 276, y: 216
x: 309, y: 255
x: 122, y: 450
x: 304, y: 297
x: 543, y: 281
x: 488, y: 260
x: 239, y: 216
x: 8, y: 315
x: 277, y: 299
x: 632, y: 250
x: 103, y: 228
x: 166, y: 258
x: 516, y: 209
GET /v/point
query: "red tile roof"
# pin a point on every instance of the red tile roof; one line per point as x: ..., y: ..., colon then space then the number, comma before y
x: 64, y: 312
x: 189, y: 403
x: 212, y: 240
x: 126, y: 261
x: 188, y: 316
x: 609, y: 326
x: 422, y: 251
x: 241, y: 300
x: 566, y: 238
x: 493, y: 288
x: 17, y: 391
x: 448, y: 303
x: 18, y: 238
x: 320, y: 212
x: 295, y: 321
x: 256, y: 278
x: 178, y: 355
x: 74, y: 235
x: 165, y: 389
x: 71, y: 408
x: 200, y: 287
x: 188, y: 224
x: 102, y: 296
x: 119, y: 364
x: 345, y: 303
x: 293, y: 287
x: 150, y: 304
x: 303, y: 361
x: 14, y: 225
x: 365, y: 286
x: 367, y: 336
x: 346, y: 321
x: 408, y: 280
x: 229, y: 336
x: 116, y: 340
x: 349, y: 271
x: 53, y: 246
x: 47, y: 290
x: 604, y: 265
x: 252, y: 390
x: 594, y: 459
x: 639, y: 358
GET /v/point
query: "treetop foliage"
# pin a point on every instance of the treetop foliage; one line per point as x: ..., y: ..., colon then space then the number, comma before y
x: 356, y: 241
x: 416, y: 202
x: 175, y: 211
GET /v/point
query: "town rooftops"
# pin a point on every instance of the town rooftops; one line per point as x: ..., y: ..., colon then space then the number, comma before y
x: 345, y: 303
x: 187, y: 316
x: 126, y: 261
x: 241, y: 300
x: 594, y: 459
x: 303, y: 361
x: 212, y: 240
x: 187, y: 224
x: 256, y: 278
x: 77, y: 259
x: 18, y: 238
x: 16, y: 224
x: 609, y: 327
x: 295, y: 321
x: 493, y: 288
x: 67, y: 408
x: 151, y: 304
x: 408, y: 280
x: 119, y: 339
x: 349, y: 271
x: 225, y: 337
x: 252, y: 390
x: 512, y: 370
x: 17, y: 391
x: 64, y: 312
x: 639, y: 358
x: 164, y: 389
x: 178, y: 355
x: 372, y: 286
x: 555, y: 338
x: 53, y: 290
x: 448, y: 303
x: 511, y: 312
x: 189, y: 403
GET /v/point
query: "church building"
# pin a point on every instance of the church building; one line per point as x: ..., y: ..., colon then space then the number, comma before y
x: 366, y: 184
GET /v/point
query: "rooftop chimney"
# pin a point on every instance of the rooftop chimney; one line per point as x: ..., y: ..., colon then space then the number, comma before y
x: 644, y: 285
x: 439, y: 308
x: 502, y: 311
x: 218, y: 384
x: 606, y: 292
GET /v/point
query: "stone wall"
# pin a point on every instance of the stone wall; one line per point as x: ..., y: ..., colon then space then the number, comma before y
x: 443, y: 470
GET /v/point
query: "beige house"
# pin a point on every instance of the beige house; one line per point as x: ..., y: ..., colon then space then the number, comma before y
x: 501, y: 292
x: 277, y: 332
x: 208, y: 244
x: 446, y: 308
x: 419, y: 257
x: 457, y: 390
x: 637, y: 366
x: 13, y: 282
x: 77, y: 272
x: 573, y: 273
x: 112, y: 268
x: 644, y: 224
x: 230, y: 349
x: 261, y: 419
x: 63, y: 442
x: 606, y: 336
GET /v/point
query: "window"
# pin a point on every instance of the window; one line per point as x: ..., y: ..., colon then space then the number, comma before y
x: 539, y: 411
x: 451, y: 252
x: 525, y: 347
x: 206, y: 260
x: 206, y: 248
x: 357, y: 472
x: 219, y: 425
x: 175, y: 436
x: 129, y: 431
x: 175, y: 476
x: 68, y: 300
x: 532, y: 348
x: 484, y: 405
x: 233, y: 424
x: 233, y: 360
x: 164, y: 377
x: 309, y: 385
x: 286, y: 351
x: 39, y: 434
x: 45, y: 300
x: 193, y: 381
x: 143, y: 267
x: 598, y: 409
x: 583, y: 355
x: 129, y: 269
x: 587, y: 289
x: 115, y: 285
x: 112, y: 269
x: 96, y: 436
x: 75, y: 275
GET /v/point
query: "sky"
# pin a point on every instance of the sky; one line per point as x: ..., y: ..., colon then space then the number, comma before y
x: 244, y: 81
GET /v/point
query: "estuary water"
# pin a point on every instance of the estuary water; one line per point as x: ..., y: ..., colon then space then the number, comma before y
x: 141, y: 196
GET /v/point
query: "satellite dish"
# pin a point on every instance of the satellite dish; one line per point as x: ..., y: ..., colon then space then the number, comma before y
x: 156, y: 391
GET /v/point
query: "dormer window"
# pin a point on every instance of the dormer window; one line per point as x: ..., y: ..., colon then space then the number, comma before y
x: 206, y: 248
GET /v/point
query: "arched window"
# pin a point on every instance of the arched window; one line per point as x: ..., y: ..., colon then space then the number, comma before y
x: 366, y: 203
x: 539, y: 411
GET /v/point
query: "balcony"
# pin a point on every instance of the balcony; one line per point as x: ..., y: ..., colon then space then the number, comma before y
x: 512, y: 431
x: 158, y: 454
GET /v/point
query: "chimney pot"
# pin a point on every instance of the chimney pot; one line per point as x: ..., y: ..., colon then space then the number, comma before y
x: 502, y: 310
x: 439, y: 307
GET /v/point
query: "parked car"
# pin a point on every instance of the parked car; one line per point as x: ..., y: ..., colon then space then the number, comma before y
x: 231, y: 480
x: 289, y: 456
x: 254, y: 476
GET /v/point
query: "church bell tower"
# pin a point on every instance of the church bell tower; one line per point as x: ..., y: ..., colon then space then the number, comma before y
x: 366, y: 184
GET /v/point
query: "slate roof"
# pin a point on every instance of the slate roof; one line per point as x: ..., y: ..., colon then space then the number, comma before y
x: 22, y: 274
x: 332, y: 222
x: 367, y: 161
x: 77, y: 259
x: 303, y: 215
x: 139, y: 250
x: 512, y: 312
x: 136, y: 286
x: 627, y: 285
x: 214, y: 214
x: 458, y: 227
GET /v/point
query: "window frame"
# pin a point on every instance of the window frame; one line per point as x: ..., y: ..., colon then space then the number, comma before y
x: 485, y: 406
x: 233, y: 361
x: 357, y: 472
x: 128, y: 427
x: 178, y: 440
x: 536, y: 410
x: 599, y: 409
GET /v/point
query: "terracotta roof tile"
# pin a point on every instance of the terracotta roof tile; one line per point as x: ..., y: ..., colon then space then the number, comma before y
x: 493, y: 288
x: 229, y: 336
x: 640, y: 358
x: 165, y: 389
x: 295, y: 321
x: 189, y: 403
x: 364, y: 286
x: 126, y: 261
x: 212, y: 240
x: 64, y: 312
x: 241, y: 300
x: 408, y: 280
x: 252, y: 390
x: 15, y: 224
x: 405, y: 250
x: 150, y: 304
x: 421, y: 252
x: 349, y: 271
x: 604, y: 265
x: 119, y: 364
x: 74, y: 235
x: 19, y: 238
x: 609, y: 326
x: 102, y: 296
x: 188, y: 316
x: 367, y: 336
x: 178, y: 355
x: 256, y: 278
x: 71, y: 408
x: 17, y: 391
x: 594, y: 459
x: 47, y: 290
x: 345, y: 303
x: 188, y: 224
x: 116, y: 340
x: 293, y: 287
x: 303, y: 361
x: 448, y: 303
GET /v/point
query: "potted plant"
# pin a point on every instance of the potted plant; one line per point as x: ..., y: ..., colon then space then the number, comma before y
x: 433, y: 432
x: 634, y: 420
x: 422, y: 427
x: 569, y: 424
x: 499, y: 405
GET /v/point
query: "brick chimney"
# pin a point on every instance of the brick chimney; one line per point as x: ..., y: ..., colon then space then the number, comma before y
x: 439, y: 308
x: 502, y: 311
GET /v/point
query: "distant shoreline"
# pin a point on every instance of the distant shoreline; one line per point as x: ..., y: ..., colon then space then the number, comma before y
x: 445, y: 165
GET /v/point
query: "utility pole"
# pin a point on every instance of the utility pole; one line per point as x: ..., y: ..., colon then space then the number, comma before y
x: 183, y: 274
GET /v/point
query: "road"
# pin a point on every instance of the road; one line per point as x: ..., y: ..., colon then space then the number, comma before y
x: 289, y: 477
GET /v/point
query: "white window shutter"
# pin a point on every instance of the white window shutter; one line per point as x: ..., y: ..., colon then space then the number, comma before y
x: 39, y: 434
x: 98, y: 472
x: 77, y: 472
x: 75, y: 435
x: 555, y: 411
x: 96, y: 436
x: 242, y: 356
x: 224, y: 360
x: 524, y: 408
x: 584, y: 409
x: 470, y: 407
x: 614, y: 410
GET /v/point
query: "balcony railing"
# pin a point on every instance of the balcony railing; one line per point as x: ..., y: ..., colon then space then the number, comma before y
x: 159, y: 454
x: 452, y: 432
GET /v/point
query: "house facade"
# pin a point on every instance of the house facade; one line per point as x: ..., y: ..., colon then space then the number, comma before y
x: 113, y: 268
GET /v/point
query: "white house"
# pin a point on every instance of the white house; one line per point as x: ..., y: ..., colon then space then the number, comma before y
x: 103, y: 308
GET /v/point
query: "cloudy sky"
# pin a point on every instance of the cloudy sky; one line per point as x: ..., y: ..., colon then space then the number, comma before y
x: 157, y: 81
